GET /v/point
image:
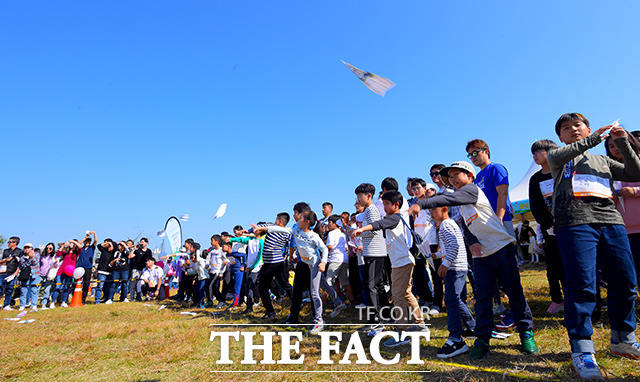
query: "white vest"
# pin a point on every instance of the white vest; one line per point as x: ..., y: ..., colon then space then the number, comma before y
x: 398, y: 243
x: 485, y: 225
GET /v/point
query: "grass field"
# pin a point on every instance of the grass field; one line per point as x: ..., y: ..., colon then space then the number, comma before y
x: 135, y: 341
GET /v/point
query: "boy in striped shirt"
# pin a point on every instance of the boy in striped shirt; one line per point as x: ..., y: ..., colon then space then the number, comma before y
x: 274, y: 265
x: 402, y: 262
x: 374, y: 251
x: 453, y: 271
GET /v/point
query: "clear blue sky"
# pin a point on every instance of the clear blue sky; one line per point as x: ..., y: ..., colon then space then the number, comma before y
x: 115, y: 116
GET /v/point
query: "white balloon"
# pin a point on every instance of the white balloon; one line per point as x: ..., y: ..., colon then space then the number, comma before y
x: 78, y: 273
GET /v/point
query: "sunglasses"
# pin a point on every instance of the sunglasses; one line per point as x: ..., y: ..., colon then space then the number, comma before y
x: 435, y: 173
x: 474, y: 153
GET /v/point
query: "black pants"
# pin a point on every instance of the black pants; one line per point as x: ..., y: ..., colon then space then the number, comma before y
x: 301, y: 282
x: 375, y: 284
x: 250, y: 288
x: 268, y: 272
x: 86, y: 281
x: 420, y: 279
x: 186, y: 285
x: 144, y: 288
x: 555, y: 269
x: 214, y: 289
x: 227, y: 282
x: 438, y: 285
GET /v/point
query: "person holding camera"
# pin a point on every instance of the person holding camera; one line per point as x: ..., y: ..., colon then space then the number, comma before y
x: 138, y: 263
x: 107, y: 251
x: 9, y: 270
x: 29, y: 278
x: 119, y: 266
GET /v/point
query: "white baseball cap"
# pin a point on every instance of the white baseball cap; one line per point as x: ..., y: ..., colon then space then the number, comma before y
x: 460, y: 165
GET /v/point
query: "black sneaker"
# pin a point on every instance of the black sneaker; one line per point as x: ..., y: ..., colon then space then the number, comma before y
x: 468, y: 333
x: 269, y: 316
x: 247, y: 310
x: 452, y: 349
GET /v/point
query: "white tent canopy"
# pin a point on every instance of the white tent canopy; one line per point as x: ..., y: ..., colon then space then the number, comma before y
x: 519, y: 194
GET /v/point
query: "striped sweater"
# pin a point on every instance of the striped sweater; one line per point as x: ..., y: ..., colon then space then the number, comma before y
x: 452, y: 246
x: 373, y: 244
x: 275, y: 245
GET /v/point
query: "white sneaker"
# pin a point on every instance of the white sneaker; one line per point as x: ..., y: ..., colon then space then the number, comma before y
x: 64, y: 305
x: 434, y: 311
x: 52, y: 305
x: 44, y: 307
x: 34, y: 309
x: 126, y: 300
x: 21, y: 309
x: 586, y: 366
x: 108, y: 302
x: 337, y: 310
x: 625, y: 349
x: 316, y: 329
x: 8, y: 307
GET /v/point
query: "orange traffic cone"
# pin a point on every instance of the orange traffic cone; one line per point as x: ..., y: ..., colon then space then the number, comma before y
x: 76, y: 300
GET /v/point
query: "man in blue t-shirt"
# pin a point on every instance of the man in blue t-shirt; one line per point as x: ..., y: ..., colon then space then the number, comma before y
x: 493, y: 180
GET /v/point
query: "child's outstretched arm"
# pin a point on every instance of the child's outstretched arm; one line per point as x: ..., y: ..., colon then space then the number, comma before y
x: 466, y: 195
x: 240, y: 239
x: 558, y: 156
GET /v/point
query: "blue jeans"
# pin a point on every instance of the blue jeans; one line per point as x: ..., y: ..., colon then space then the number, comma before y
x: 457, y: 312
x: 63, y: 284
x: 200, y: 291
x: 237, y: 284
x: 578, y: 247
x: 46, y: 290
x: 7, y: 288
x: 501, y: 266
x: 29, y: 291
x: 102, y: 283
x: 119, y: 278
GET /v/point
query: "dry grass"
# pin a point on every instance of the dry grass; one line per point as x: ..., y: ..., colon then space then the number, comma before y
x: 137, y: 342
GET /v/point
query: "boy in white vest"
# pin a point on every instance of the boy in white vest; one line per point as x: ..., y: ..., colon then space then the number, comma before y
x: 493, y: 253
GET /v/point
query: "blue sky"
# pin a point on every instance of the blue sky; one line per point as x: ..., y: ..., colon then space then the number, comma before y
x: 115, y: 116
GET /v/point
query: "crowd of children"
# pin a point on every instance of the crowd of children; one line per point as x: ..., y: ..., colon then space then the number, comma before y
x: 423, y: 250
